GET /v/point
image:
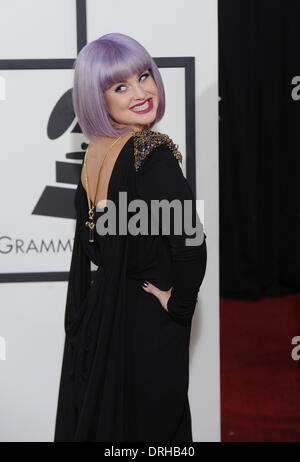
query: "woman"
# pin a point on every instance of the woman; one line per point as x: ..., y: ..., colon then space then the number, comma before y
x: 125, y: 368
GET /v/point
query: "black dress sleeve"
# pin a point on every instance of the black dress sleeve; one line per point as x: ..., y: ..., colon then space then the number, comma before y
x: 79, y: 280
x: 160, y: 177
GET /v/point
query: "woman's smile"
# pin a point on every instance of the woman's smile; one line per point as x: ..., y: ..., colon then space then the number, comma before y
x: 143, y: 108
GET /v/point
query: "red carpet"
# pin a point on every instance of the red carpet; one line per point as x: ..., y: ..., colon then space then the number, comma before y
x: 260, y: 382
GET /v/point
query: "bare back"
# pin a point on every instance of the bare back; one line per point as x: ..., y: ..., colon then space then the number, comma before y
x: 94, y: 160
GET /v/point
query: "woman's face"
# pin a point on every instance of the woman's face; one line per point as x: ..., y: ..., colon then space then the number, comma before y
x: 140, y: 91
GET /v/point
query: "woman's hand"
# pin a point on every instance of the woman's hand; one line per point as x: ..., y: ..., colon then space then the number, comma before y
x: 162, y: 295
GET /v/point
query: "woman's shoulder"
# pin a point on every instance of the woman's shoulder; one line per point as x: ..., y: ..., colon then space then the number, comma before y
x: 147, y: 142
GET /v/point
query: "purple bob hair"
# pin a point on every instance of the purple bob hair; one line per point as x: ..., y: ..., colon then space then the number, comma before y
x: 99, y: 65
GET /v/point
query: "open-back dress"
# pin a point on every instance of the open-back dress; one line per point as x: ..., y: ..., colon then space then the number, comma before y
x: 125, y: 368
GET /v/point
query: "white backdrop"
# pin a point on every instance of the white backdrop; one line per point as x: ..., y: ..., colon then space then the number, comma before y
x: 32, y: 313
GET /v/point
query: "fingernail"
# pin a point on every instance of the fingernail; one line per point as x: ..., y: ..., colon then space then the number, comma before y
x: 145, y: 283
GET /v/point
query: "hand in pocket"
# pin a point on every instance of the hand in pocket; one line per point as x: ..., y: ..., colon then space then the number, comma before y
x: 162, y: 295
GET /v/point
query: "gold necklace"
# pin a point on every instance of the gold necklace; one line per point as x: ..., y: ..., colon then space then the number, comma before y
x: 90, y: 223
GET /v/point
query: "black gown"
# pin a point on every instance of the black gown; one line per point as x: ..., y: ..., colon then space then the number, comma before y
x: 125, y: 369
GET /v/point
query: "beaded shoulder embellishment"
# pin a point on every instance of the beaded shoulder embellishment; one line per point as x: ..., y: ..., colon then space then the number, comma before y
x: 147, y: 140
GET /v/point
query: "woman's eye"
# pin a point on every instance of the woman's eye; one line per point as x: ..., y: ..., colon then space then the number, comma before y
x: 120, y: 86
x: 146, y: 74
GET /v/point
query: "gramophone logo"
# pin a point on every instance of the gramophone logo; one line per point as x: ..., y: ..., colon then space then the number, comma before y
x: 58, y: 201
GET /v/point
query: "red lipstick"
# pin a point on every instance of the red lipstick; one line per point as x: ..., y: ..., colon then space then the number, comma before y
x: 143, y: 111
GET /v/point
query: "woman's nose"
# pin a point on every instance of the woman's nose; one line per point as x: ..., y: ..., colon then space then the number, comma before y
x: 138, y: 92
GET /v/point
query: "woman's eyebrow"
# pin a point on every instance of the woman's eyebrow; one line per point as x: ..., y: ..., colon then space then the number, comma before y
x: 121, y: 81
x: 124, y: 81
